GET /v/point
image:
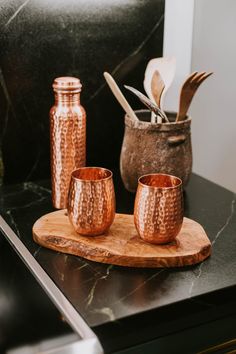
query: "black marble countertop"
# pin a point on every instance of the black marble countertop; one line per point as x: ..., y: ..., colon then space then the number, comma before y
x: 127, y: 306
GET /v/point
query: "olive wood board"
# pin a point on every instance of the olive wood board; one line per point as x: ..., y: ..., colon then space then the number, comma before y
x: 121, y: 245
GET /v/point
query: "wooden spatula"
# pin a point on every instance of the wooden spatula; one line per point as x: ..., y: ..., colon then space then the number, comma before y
x: 119, y: 96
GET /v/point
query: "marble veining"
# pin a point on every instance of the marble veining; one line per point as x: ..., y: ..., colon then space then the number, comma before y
x: 107, y: 311
x: 37, y: 251
x: 92, y: 291
x: 226, y: 223
x: 81, y: 267
x: 140, y: 47
x: 5, y: 90
x: 130, y: 56
x: 12, y: 221
x: 199, y: 272
x: 28, y: 205
x: 201, y: 266
x: 84, y: 264
x: 8, y: 106
x: 155, y: 275
x: 16, y: 13
x: 36, y: 188
x: 59, y: 272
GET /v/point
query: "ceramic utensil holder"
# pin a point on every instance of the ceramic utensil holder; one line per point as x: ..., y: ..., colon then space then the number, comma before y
x: 155, y: 148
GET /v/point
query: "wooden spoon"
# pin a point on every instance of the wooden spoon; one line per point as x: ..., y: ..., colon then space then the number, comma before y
x: 166, y: 67
x: 157, y: 87
x: 119, y: 96
x: 187, y: 92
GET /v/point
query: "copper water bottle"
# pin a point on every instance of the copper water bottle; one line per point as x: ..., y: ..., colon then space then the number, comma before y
x: 67, y: 137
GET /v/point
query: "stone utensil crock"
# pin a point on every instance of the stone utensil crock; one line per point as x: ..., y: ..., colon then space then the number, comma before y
x: 155, y: 148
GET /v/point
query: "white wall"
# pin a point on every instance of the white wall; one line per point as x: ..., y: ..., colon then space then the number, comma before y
x: 213, y: 109
x: 178, y: 42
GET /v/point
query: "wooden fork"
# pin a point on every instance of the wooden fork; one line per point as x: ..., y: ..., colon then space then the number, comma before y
x: 187, y: 92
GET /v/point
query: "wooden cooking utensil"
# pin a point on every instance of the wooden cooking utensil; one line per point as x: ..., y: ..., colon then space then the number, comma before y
x: 187, y: 92
x: 157, y: 87
x: 166, y: 67
x: 119, y: 96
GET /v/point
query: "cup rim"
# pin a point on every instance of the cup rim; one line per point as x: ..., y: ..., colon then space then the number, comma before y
x: 160, y: 174
x: 92, y: 180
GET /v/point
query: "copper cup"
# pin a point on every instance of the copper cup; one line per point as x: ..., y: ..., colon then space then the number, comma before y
x: 91, y: 200
x: 158, y: 209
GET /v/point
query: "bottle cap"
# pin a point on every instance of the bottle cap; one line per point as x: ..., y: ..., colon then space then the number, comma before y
x: 67, y: 83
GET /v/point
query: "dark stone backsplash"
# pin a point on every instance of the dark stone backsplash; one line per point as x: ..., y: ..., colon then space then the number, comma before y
x: 41, y: 40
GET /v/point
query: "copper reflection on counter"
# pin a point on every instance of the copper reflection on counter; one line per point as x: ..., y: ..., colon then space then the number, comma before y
x: 91, y: 200
x: 158, y: 210
x: 67, y: 137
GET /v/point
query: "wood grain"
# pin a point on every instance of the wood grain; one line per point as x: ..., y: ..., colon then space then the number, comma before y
x: 121, y: 245
x: 188, y: 91
x: 157, y: 87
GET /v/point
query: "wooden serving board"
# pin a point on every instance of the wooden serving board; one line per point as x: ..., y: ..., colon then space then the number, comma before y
x: 121, y: 245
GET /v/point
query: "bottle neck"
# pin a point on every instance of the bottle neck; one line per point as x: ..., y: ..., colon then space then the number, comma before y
x: 67, y: 99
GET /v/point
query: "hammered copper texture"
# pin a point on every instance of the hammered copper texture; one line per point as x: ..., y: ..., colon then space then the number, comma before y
x: 158, y: 210
x: 155, y: 148
x: 67, y: 137
x: 91, y: 200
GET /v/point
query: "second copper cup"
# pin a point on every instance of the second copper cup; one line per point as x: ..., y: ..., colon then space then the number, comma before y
x: 91, y: 200
x: 158, y: 210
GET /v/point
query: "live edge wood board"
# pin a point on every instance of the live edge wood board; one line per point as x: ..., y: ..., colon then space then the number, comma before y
x: 121, y: 245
